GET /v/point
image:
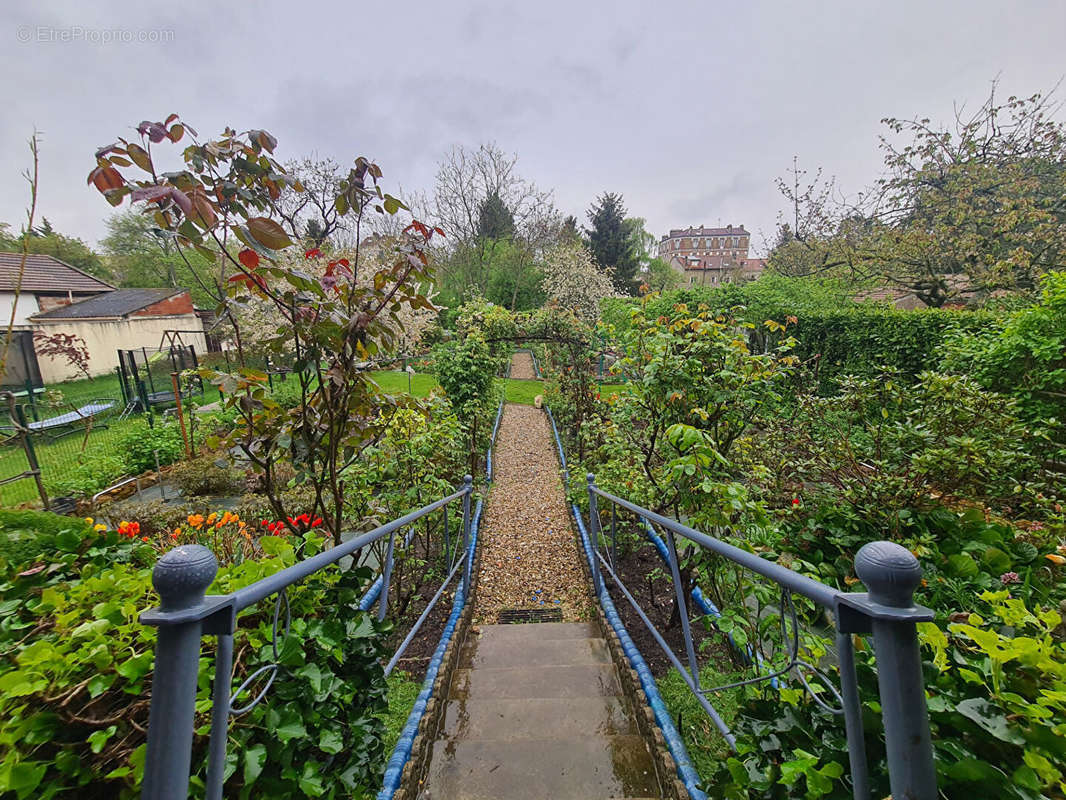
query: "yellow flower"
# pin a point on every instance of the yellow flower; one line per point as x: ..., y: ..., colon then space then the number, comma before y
x: 211, y: 518
x: 99, y: 527
x: 88, y: 520
x: 1055, y: 558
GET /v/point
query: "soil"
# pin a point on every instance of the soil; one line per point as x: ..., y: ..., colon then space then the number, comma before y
x: 656, y: 598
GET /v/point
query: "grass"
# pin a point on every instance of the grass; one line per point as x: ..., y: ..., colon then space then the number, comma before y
x: 515, y: 390
x: 704, y: 742
x: 402, y: 695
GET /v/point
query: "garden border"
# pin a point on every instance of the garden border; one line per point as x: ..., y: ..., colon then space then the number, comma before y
x: 677, y: 755
x: 409, y: 759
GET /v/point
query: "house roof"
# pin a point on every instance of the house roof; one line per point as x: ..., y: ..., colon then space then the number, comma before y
x: 46, y: 274
x: 729, y: 230
x: 116, y: 303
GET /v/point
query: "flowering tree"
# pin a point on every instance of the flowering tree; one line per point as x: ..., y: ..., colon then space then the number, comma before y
x: 572, y: 281
x: 333, y: 324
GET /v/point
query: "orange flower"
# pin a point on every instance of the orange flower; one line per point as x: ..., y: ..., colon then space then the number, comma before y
x: 1055, y: 558
x: 211, y: 518
x: 196, y: 520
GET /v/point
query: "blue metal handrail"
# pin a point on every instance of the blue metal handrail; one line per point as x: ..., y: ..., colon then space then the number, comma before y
x: 186, y: 613
x: 887, y: 611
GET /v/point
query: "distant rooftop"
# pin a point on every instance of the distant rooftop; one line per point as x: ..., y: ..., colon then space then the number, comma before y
x: 117, y: 303
x: 46, y: 274
x: 728, y: 230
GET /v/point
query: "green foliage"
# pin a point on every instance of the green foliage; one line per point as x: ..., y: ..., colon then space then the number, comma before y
x: 997, y: 700
x: 210, y: 474
x: 73, y: 719
x: 141, y: 444
x: 835, y: 336
x: 24, y: 535
x: 883, y: 446
x: 1024, y: 356
x: 98, y: 469
x: 612, y: 243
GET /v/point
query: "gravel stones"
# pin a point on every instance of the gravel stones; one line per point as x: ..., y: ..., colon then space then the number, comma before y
x: 522, y: 367
x: 529, y: 556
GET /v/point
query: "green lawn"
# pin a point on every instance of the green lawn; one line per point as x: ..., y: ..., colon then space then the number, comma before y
x: 515, y: 390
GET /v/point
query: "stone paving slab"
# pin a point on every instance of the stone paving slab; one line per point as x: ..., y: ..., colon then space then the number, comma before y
x: 560, y: 769
x: 536, y: 718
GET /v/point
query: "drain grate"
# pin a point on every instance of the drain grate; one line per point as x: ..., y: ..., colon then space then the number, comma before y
x: 521, y: 615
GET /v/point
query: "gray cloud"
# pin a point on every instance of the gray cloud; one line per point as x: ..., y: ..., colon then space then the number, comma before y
x: 690, y: 109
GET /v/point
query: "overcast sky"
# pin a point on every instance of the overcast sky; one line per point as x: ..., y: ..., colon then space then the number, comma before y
x: 689, y: 109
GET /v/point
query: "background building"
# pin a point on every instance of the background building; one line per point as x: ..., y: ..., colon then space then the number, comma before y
x: 710, y: 256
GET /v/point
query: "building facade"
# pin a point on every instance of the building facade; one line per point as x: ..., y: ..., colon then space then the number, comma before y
x: 710, y: 256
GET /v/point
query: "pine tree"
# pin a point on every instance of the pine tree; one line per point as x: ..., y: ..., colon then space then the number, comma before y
x: 610, y: 242
x: 495, y: 220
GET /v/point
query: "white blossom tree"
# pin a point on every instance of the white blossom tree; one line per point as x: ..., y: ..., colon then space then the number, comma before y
x: 571, y: 280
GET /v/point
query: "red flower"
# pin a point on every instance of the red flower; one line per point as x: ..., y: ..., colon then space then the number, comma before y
x: 314, y: 252
x: 795, y: 501
x: 317, y: 521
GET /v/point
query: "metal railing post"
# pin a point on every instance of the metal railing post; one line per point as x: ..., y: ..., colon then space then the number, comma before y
x: 682, y: 608
x: 892, y: 573
x: 386, y: 577
x: 181, y: 578
x: 468, y: 489
x: 594, y: 534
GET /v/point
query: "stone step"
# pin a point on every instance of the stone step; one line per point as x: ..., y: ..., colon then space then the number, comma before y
x: 507, y: 683
x: 535, y: 718
x: 481, y: 651
x: 538, y: 631
x: 541, y: 769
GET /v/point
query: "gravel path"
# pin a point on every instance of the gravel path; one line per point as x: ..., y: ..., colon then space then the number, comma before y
x: 522, y: 367
x: 529, y: 554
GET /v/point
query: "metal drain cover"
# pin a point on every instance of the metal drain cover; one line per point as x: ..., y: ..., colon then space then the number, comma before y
x: 515, y: 616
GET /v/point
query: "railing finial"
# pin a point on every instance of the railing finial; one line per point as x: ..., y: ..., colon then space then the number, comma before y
x: 890, y: 571
x: 468, y: 480
x: 591, y: 478
x: 182, y: 576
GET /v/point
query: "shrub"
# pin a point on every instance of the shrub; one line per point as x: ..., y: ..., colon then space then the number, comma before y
x: 207, y: 475
x: 98, y: 470
x: 141, y: 443
x: 72, y: 697
x: 25, y: 535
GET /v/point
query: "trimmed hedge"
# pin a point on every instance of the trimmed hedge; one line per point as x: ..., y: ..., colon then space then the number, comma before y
x: 835, y: 334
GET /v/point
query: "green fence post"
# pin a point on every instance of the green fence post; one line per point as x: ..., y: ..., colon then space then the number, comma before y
x: 31, y: 454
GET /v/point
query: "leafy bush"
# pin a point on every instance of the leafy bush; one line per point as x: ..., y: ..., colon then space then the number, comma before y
x: 207, y: 475
x: 140, y: 443
x: 72, y: 707
x: 834, y: 334
x: 25, y: 535
x: 1024, y: 356
x: 98, y: 470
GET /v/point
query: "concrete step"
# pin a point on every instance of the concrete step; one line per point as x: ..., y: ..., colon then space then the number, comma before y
x: 535, y: 718
x: 541, y: 769
x: 538, y: 631
x: 493, y: 651
x: 508, y: 683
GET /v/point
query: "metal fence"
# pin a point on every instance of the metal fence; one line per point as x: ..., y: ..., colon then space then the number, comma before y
x: 887, y: 611
x: 186, y: 614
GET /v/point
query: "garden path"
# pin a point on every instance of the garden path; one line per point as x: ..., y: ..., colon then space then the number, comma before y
x: 522, y: 367
x: 534, y: 711
x: 529, y: 556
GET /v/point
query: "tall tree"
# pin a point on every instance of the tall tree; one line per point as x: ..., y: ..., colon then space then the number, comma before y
x: 495, y: 220
x: 611, y: 242
x: 140, y: 254
x: 479, y: 200
x: 961, y: 210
